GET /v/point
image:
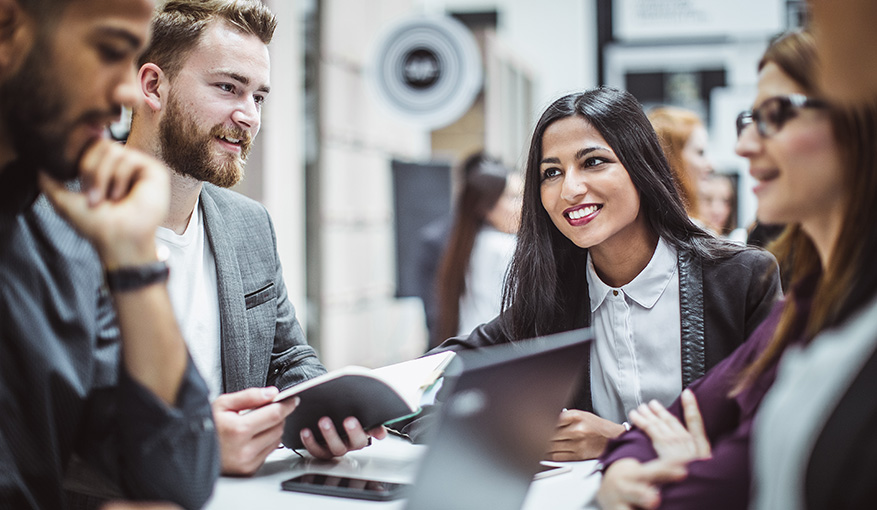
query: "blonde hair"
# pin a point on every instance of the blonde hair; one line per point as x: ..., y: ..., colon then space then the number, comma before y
x: 674, y: 127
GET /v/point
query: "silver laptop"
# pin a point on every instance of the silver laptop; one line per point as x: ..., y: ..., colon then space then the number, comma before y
x: 495, y: 426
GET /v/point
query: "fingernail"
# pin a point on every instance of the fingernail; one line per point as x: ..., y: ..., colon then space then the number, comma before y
x: 306, y: 433
x: 350, y: 424
x: 326, y: 424
x: 93, y: 197
x: 269, y: 391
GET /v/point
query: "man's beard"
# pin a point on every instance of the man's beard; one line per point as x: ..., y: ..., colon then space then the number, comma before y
x: 186, y: 149
x: 32, y: 108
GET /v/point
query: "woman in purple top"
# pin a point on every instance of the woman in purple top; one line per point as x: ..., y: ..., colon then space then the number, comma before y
x: 809, y: 159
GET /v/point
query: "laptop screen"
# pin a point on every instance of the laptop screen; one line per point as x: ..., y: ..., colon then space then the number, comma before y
x: 495, y: 426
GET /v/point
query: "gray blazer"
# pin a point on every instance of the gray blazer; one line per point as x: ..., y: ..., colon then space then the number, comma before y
x: 262, y: 341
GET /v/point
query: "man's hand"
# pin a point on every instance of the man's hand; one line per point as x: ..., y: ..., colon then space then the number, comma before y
x: 672, y: 440
x: 125, y: 196
x: 580, y: 436
x: 335, y: 446
x: 245, y: 440
x: 628, y: 484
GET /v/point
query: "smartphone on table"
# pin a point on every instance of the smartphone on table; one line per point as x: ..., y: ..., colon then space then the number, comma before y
x: 344, y: 487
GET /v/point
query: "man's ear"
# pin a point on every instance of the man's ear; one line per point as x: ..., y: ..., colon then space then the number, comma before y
x: 17, y: 31
x: 153, y: 86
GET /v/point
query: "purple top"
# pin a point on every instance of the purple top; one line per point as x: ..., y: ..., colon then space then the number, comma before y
x: 721, y: 482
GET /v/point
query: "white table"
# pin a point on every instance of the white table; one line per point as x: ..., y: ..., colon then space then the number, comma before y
x: 392, y: 460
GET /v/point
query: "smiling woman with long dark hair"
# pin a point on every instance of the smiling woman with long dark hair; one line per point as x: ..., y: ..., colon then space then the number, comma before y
x: 605, y: 241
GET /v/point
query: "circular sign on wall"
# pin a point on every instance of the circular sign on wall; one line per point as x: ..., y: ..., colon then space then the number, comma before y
x: 427, y: 70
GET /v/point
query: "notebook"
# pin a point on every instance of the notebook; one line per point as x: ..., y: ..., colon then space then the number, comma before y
x: 494, y: 427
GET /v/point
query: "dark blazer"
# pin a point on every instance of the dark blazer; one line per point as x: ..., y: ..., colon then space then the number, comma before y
x: 721, y: 303
x: 262, y: 341
x: 64, y: 390
x: 840, y: 473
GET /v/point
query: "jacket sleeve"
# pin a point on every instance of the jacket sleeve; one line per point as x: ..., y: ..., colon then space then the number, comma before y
x: 419, y: 427
x: 764, y: 289
x: 717, y: 410
x: 484, y: 335
x: 150, y: 450
x: 292, y: 359
x: 725, y: 476
x: 168, y: 453
x: 739, y: 293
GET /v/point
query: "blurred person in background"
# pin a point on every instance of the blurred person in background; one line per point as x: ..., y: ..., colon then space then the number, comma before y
x: 718, y: 206
x: 684, y: 139
x: 847, y: 48
x: 432, y: 240
x: 479, y: 247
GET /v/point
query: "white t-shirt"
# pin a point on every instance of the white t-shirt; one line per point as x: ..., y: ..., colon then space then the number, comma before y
x: 194, y: 296
x: 488, y: 263
x: 636, y: 356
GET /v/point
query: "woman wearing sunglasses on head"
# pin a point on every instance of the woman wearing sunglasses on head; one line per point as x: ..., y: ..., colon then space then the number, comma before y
x: 605, y: 242
x: 810, y: 161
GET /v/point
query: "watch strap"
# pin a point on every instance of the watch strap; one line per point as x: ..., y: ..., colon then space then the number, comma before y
x: 136, y: 277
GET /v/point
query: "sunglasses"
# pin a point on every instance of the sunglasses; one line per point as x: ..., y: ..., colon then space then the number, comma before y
x: 774, y: 112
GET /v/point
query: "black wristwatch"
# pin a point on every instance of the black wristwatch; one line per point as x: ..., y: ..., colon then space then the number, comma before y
x: 136, y: 277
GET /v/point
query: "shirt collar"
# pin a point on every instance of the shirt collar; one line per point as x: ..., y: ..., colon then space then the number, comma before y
x: 647, y: 287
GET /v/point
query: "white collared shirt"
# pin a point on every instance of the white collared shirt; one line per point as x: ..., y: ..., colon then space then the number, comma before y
x: 637, y: 353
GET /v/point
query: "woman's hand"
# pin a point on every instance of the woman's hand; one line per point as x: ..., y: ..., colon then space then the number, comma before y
x: 581, y: 436
x: 672, y: 440
x: 629, y: 484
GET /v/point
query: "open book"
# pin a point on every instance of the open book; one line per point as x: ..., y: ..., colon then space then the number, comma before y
x: 373, y: 396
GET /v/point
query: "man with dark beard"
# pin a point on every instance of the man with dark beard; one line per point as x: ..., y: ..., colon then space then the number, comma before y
x: 118, y: 390
x: 204, y: 79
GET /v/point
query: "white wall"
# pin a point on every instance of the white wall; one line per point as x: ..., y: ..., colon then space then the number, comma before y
x: 282, y: 162
x: 361, y: 321
x: 557, y: 39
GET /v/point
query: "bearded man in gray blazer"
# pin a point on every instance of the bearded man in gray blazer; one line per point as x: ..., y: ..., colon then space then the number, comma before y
x: 201, y: 109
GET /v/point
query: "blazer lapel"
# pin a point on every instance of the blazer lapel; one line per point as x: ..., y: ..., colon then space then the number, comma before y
x: 232, y: 307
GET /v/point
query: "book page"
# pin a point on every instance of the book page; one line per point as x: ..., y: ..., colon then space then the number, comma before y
x: 413, y: 377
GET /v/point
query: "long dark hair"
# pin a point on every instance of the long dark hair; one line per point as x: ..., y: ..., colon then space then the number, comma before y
x: 548, y: 272
x: 850, y: 279
x: 484, y: 182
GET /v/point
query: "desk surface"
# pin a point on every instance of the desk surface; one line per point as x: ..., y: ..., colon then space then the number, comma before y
x: 392, y: 460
